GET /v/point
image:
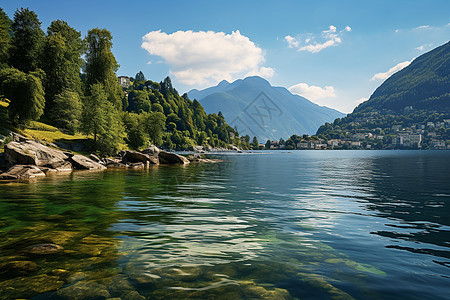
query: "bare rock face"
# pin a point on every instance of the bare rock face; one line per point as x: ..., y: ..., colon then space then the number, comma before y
x: 136, y: 157
x: 22, y: 172
x: 32, y: 153
x: 172, y: 158
x: 84, y: 163
x: 60, y: 166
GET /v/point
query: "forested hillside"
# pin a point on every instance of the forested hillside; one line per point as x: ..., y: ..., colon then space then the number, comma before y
x: 59, y: 78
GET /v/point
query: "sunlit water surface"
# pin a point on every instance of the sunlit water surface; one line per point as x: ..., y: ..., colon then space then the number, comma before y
x: 279, y: 225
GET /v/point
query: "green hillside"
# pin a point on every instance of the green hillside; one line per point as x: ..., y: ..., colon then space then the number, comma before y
x: 424, y: 84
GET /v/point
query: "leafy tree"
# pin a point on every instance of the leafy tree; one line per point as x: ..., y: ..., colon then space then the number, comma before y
x: 5, y: 37
x: 101, y: 64
x: 26, y: 42
x: 134, y: 127
x: 61, y: 60
x: 268, y: 143
x: 66, y: 110
x: 101, y: 118
x: 25, y: 92
x: 154, y: 123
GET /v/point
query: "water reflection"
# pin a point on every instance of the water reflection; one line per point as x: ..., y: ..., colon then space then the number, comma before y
x: 308, y: 224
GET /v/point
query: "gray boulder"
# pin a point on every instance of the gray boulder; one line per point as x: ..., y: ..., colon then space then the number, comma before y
x: 135, y: 157
x: 151, y: 150
x: 84, y: 163
x: 22, y: 172
x: 32, y: 153
x: 172, y: 158
x: 94, y: 158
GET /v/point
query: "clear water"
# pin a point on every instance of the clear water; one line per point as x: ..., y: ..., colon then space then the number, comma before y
x: 280, y: 225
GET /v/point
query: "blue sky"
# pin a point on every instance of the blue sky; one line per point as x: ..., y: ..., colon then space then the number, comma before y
x: 333, y: 52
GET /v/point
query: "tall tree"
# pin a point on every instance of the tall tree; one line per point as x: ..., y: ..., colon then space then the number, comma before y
x: 25, y: 92
x: 101, y: 118
x: 26, y: 42
x: 61, y: 61
x: 66, y: 110
x: 101, y: 64
x: 154, y: 124
x: 5, y: 37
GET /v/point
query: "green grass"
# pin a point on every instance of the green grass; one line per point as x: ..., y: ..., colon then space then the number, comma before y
x: 42, y: 131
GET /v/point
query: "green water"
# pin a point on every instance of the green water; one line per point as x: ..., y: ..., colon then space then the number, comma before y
x: 301, y: 225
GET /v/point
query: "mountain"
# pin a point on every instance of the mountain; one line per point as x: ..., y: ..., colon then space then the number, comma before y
x: 411, y: 109
x: 256, y: 108
x: 424, y: 84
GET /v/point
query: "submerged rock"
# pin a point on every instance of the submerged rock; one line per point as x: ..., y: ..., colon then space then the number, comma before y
x: 22, y: 172
x: 44, y: 249
x: 172, y: 158
x: 84, y: 290
x: 18, y: 268
x: 32, y: 153
x: 84, y: 163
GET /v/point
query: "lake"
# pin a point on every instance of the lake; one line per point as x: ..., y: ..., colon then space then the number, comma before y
x: 267, y: 225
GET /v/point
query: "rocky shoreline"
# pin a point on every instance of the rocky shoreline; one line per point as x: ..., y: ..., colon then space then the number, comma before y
x: 26, y: 159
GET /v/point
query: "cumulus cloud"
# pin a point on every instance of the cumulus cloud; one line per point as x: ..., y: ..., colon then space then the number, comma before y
x: 206, y: 57
x: 314, y: 44
x: 396, y: 68
x: 312, y: 92
x: 292, y: 42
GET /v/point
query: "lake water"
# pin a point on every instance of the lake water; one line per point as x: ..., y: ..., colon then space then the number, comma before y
x: 279, y: 225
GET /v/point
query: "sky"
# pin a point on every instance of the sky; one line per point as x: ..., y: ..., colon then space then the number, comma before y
x: 334, y: 53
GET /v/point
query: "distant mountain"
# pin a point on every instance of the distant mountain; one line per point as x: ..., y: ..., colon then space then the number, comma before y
x: 424, y: 84
x: 256, y: 108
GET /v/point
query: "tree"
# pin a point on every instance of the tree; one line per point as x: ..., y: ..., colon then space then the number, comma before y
x: 101, y: 118
x: 66, y: 110
x: 268, y: 143
x: 61, y: 61
x: 136, y: 135
x: 101, y: 64
x: 154, y: 124
x: 5, y: 37
x: 255, y: 143
x: 140, y: 77
x: 26, y: 42
x: 25, y: 93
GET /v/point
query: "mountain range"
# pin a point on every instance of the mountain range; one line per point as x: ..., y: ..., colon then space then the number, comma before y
x: 256, y: 108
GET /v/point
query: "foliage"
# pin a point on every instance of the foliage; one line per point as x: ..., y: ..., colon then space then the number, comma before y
x: 101, y: 64
x: 102, y: 119
x: 5, y: 37
x: 25, y: 93
x: 66, y: 110
x: 61, y: 61
x: 26, y: 43
x: 422, y: 85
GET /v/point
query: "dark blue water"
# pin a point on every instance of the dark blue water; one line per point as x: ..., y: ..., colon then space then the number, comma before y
x: 279, y: 225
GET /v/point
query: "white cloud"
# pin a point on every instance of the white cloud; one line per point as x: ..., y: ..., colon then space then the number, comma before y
x: 361, y: 100
x: 292, y: 42
x: 312, y: 92
x: 396, y: 68
x: 329, y: 38
x: 206, y: 57
x: 424, y: 47
x: 423, y: 27
x: 397, y: 30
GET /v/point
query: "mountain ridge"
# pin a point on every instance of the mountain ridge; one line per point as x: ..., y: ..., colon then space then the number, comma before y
x: 257, y: 108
